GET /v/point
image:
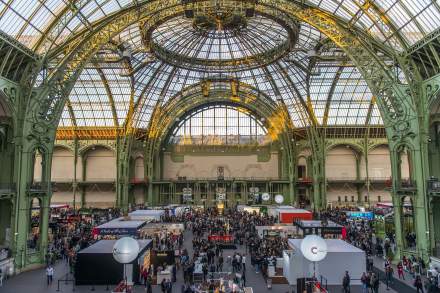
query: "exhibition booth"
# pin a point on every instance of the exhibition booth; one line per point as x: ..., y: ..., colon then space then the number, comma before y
x: 150, y: 230
x: 341, y: 256
x: 289, y: 214
x: 325, y: 229
x: 282, y: 230
x: 147, y: 215
x: 119, y: 227
x: 360, y: 215
x: 95, y: 265
x: 162, y: 262
x: 249, y: 209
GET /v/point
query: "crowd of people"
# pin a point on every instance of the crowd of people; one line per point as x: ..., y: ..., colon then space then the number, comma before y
x: 361, y: 233
x: 207, y: 260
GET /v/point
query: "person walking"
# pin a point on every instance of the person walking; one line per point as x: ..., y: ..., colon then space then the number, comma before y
x: 346, y: 282
x: 389, y: 275
x: 364, y: 281
x: 375, y: 283
x: 49, y: 274
x: 243, y: 279
x: 418, y: 284
x: 243, y: 262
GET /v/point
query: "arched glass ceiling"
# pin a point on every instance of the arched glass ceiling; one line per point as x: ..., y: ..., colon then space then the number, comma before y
x: 387, y: 20
x: 181, y: 37
x: 219, y: 125
x: 336, y: 98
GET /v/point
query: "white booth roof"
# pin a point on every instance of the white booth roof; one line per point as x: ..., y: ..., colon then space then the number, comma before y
x: 147, y: 213
x: 121, y: 223
x: 333, y: 245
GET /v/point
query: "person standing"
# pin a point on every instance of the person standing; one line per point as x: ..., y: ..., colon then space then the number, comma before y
x: 169, y: 286
x: 346, y: 282
x: 148, y: 284
x: 49, y: 274
x: 220, y: 264
x: 243, y: 262
x: 400, y: 271
x: 418, y: 284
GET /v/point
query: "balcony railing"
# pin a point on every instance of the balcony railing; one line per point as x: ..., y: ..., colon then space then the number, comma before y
x: 38, y: 187
x: 214, y: 178
x: 138, y: 181
x: 304, y: 180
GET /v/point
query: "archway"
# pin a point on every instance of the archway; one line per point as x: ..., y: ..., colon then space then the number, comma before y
x: 227, y: 95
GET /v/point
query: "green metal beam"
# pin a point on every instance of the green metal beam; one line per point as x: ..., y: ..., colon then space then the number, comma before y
x: 109, y: 95
x: 331, y: 93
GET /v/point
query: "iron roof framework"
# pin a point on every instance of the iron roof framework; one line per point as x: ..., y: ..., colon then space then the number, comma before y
x: 313, y: 76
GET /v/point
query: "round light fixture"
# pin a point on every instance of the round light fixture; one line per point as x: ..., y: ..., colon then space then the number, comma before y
x: 265, y: 196
x: 279, y: 199
x: 125, y: 250
x: 314, y: 248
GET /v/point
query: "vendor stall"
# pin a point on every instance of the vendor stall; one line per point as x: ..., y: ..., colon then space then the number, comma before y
x: 341, y: 257
x: 288, y: 214
x: 119, y: 227
x: 151, y: 229
x: 282, y: 230
x: 147, y: 215
x: 360, y: 215
x: 249, y: 209
x: 95, y: 264
x: 325, y: 229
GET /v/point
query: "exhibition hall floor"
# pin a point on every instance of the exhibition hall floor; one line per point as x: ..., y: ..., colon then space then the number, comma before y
x: 35, y: 281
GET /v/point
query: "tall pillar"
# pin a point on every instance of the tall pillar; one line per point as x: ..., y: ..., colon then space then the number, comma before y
x: 397, y: 202
x: 319, y: 182
x: 358, y: 179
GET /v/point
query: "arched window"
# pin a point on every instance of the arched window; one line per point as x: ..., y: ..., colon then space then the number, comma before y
x: 219, y: 125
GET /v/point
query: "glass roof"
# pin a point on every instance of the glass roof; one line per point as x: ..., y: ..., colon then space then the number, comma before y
x: 332, y: 86
x: 214, y: 49
x: 287, y: 78
x: 388, y: 20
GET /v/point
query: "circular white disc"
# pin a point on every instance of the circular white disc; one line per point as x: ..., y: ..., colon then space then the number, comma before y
x: 265, y: 196
x: 279, y: 199
x: 125, y: 250
x: 314, y: 248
